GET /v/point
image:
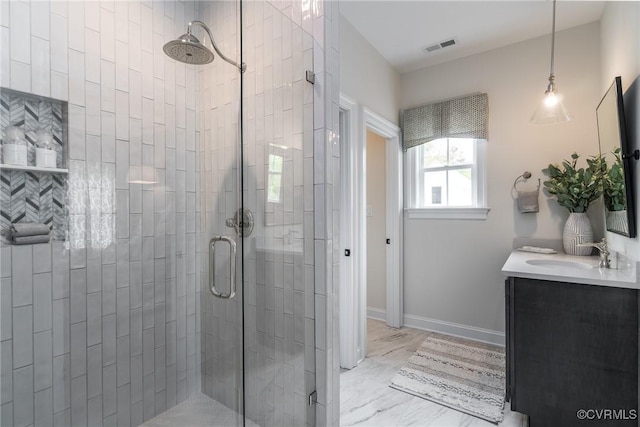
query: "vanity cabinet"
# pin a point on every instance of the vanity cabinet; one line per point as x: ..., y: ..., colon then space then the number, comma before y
x: 570, y: 347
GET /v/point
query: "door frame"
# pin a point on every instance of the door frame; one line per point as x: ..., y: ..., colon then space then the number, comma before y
x: 353, y: 220
x: 352, y: 343
x: 391, y: 132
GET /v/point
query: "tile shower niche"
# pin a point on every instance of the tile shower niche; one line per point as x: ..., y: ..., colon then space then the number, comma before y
x: 29, y: 193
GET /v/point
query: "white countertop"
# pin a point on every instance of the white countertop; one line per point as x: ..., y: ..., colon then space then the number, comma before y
x: 517, y: 266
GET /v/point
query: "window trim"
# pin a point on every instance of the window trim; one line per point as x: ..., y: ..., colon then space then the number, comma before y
x: 447, y: 213
x: 479, y: 210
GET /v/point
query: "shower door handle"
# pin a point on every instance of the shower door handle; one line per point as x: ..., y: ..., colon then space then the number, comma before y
x: 232, y: 266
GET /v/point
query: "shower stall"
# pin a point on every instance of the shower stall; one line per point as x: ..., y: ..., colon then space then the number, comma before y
x: 189, y: 276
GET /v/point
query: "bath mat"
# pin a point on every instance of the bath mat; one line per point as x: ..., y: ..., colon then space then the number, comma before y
x: 465, y: 376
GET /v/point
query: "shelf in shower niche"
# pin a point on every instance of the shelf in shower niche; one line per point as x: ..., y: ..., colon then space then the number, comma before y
x: 35, y: 193
x: 32, y: 169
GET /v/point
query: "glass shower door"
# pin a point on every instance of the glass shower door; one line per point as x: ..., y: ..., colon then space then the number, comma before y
x: 278, y: 256
x: 258, y: 346
x: 220, y: 164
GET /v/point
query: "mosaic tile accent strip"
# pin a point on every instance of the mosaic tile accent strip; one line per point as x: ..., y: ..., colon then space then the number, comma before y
x: 5, y: 198
x: 33, y: 196
x: 32, y: 114
x: 4, y: 117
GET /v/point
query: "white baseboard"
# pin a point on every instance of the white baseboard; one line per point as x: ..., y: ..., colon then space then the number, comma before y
x: 377, y: 313
x: 455, y: 329
x: 440, y: 326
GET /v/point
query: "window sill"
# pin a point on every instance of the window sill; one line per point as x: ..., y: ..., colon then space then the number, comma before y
x: 447, y: 213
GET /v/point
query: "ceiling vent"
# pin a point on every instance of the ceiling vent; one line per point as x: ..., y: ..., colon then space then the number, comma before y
x: 432, y: 48
x: 435, y: 47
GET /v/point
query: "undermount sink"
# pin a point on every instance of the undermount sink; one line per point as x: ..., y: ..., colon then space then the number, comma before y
x: 552, y: 263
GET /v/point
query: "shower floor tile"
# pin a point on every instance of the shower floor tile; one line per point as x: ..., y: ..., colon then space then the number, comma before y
x: 198, y: 411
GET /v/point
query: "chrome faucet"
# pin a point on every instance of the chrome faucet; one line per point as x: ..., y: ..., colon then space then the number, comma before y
x: 604, y: 252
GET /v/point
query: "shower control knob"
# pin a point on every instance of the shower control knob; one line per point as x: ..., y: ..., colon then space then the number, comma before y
x: 242, y: 222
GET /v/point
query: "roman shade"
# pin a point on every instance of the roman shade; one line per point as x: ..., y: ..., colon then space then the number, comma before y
x: 465, y: 117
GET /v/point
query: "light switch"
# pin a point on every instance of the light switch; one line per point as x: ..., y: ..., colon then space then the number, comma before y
x: 369, y: 210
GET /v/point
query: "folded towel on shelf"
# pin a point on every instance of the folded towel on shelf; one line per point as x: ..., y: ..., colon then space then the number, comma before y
x: 29, y: 229
x: 31, y: 240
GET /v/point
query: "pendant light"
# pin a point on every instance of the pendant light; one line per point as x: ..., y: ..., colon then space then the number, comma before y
x: 551, y: 110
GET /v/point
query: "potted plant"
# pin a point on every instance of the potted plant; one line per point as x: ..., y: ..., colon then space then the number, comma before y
x: 575, y: 189
x: 615, y: 199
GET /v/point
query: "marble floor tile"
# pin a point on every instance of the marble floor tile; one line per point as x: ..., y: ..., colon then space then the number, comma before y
x: 367, y: 400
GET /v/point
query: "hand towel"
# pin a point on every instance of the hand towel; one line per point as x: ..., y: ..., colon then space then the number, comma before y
x: 31, y: 240
x: 29, y: 229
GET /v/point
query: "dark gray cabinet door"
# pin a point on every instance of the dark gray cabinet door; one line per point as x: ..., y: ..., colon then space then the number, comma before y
x: 572, y: 347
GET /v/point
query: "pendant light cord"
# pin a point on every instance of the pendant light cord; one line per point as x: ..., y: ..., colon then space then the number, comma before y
x: 553, y: 38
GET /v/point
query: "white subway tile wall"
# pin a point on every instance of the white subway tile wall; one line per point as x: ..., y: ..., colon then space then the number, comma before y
x: 117, y: 310
x: 326, y: 197
x: 82, y: 342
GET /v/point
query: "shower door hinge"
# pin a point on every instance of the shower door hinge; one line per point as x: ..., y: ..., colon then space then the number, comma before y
x: 311, y: 77
x: 313, y: 398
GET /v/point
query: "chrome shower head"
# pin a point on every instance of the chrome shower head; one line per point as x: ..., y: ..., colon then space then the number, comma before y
x: 188, y: 49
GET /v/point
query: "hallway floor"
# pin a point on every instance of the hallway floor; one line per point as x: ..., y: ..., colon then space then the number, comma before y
x: 367, y: 400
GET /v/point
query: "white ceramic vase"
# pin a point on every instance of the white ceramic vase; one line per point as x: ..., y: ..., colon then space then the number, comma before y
x: 617, y: 221
x: 577, y: 230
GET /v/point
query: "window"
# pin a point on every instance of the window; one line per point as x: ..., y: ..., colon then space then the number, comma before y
x: 446, y: 179
x: 274, y: 182
x: 445, y: 157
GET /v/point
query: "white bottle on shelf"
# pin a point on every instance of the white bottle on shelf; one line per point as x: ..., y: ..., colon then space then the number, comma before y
x: 14, y: 147
x: 45, y: 152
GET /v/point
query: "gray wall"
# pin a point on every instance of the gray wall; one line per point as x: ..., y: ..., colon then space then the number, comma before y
x: 105, y: 328
x: 365, y: 76
x: 452, y: 267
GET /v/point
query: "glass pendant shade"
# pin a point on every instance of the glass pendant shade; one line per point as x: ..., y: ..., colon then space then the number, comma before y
x: 551, y: 110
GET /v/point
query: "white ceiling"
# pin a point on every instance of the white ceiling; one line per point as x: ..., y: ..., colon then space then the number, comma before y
x: 400, y: 30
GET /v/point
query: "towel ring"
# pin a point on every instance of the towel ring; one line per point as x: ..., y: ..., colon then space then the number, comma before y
x: 526, y: 200
x: 525, y: 176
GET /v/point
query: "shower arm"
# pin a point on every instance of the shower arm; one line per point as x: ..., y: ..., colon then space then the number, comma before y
x: 242, y: 67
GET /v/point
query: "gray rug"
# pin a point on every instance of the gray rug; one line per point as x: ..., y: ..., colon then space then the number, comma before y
x: 465, y: 376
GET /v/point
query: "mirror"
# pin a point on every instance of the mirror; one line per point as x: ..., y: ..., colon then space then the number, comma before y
x: 617, y: 182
